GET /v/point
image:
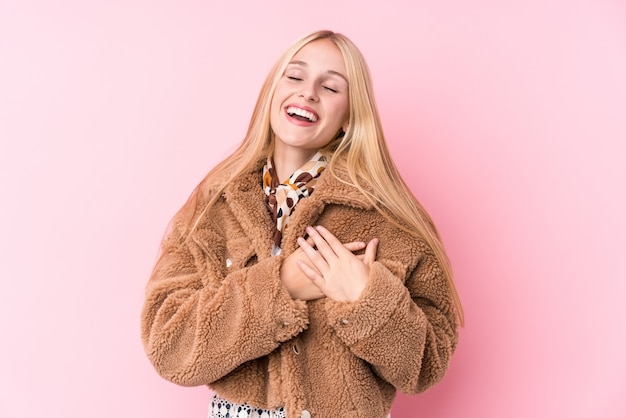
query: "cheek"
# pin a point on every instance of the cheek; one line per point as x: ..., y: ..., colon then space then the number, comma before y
x: 281, y: 94
x: 343, y: 109
x: 274, y: 118
x: 274, y: 102
x: 275, y: 105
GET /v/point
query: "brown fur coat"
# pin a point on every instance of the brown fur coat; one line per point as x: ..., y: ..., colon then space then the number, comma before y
x: 217, y: 314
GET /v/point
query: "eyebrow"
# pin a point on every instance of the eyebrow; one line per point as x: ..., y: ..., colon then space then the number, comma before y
x: 304, y: 64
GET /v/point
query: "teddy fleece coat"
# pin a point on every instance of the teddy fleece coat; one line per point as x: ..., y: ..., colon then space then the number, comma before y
x: 217, y: 314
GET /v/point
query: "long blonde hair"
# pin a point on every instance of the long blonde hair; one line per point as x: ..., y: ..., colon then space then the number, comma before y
x: 362, y: 150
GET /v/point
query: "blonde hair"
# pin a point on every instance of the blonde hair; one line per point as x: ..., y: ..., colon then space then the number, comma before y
x: 362, y: 151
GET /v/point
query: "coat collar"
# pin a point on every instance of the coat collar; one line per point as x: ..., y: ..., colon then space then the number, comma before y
x: 246, y: 199
x: 329, y: 189
x: 333, y: 189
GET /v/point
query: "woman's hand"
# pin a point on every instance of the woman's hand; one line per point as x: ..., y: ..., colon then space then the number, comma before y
x: 294, y: 278
x: 334, y: 269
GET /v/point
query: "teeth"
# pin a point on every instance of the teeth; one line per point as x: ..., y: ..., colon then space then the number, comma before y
x: 301, y: 112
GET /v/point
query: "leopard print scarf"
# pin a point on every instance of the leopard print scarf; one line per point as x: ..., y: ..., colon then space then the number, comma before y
x: 283, y: 197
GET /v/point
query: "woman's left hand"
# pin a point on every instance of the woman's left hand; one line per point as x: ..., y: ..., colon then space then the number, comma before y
x: 340, y: 275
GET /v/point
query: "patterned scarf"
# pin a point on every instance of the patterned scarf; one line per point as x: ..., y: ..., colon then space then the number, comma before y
x: 283, y: 197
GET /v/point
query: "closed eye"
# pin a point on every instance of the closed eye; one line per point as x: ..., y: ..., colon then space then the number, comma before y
x: 294, y: 78
x: 331, y: 90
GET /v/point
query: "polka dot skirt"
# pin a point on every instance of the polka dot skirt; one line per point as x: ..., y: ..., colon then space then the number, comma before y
x: 221, y: 408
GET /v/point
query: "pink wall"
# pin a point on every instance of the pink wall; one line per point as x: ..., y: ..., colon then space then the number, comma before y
x: 507, y: 119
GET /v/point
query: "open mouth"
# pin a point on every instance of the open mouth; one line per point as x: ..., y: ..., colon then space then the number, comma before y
x: 301, y: 114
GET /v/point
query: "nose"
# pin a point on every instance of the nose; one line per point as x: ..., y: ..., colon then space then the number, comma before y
x: 309, y: 93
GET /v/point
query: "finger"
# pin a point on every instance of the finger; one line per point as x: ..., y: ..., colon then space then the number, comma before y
x: 328, y: 236
x: 370, y: 251
x: 321, y: 244
x: 309, y: 271
x: 354, y: 246
x: 309, y: 241
x: 316, y: 278
x: 307, y: 245
x: 314, y: 256
x: 333, y: 242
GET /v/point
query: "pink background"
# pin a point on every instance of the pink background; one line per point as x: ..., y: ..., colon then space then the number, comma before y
x: 507, y: 118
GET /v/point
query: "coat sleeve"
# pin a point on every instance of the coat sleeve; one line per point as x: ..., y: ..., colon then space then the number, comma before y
x: 200, y: 320
x: 405, y: 329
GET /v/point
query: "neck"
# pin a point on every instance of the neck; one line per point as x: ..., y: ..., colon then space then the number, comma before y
x: 287, y: 161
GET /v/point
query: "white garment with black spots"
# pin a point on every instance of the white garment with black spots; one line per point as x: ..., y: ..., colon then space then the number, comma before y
x: 221, y: 408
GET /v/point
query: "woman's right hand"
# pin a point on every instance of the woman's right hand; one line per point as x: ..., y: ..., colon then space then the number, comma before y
x: 296, y: 282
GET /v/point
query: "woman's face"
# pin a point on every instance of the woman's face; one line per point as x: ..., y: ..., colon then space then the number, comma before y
x: 310, y: 104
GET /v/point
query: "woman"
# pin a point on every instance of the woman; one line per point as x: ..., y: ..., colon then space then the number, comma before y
x: 320, y: 295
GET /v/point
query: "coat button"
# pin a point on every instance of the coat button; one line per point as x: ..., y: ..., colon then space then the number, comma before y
x: 344, y: 321
x: 305, y: 414
x: 295, y: 349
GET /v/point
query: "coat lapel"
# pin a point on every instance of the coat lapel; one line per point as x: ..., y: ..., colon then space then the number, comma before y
x: 246, y: 199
